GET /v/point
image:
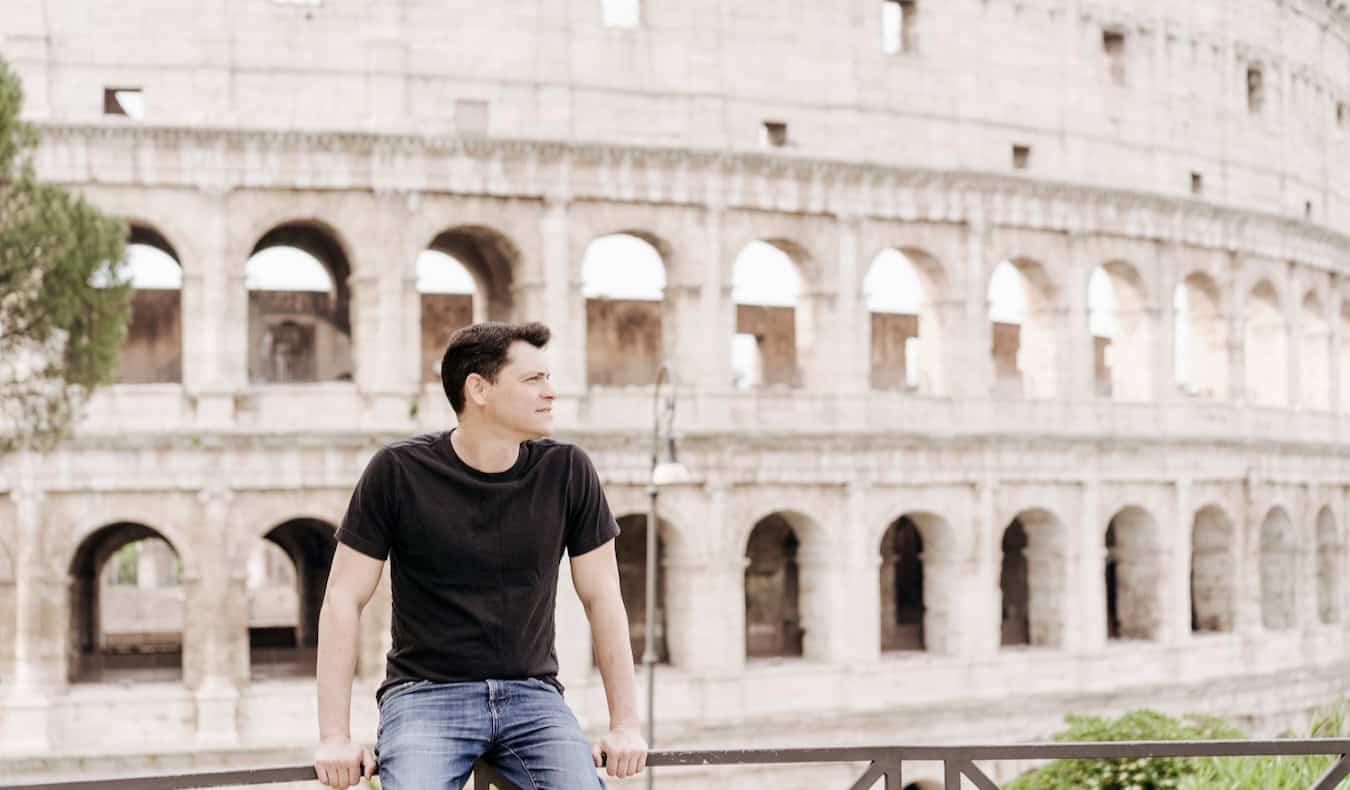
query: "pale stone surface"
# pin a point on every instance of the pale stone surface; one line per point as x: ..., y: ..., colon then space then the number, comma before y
x: 1228, y: 492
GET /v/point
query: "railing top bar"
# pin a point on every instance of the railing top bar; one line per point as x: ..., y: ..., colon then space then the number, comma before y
x: 1011, y: 751
x: 849, y: 754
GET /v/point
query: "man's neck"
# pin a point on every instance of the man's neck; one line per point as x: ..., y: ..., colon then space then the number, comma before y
x: 485, y: 449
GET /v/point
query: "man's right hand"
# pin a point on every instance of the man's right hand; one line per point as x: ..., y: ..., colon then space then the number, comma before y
x: 340, y: 763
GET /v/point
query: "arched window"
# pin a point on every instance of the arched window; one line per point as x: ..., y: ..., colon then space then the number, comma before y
x: 1201, y: 339
x: 153, y: 349
x: 631, y: 550
x: 447, y: 294
x: 1266, y: 348
x: 1314, y: 355
x: 904, y: 328
x: 287, y: 576
x: 299, y: 324
x: 1330, y: 568
x: 1279, y: 571
x: 1121, y: 333
x: 1212, y: 571
x: 623, y: 279
x: 902, y: 591
x: 1133, y: 576
x: 1032, y: 580
x: 127, y: 607
x: 765, y: 288
x: 1023, y: 330
x: 773, y: 625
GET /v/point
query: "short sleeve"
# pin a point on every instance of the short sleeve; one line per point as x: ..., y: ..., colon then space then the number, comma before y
x: 589, y: 521
x: 368, y: 525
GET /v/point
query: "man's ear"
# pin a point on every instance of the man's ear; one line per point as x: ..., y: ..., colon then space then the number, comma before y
x: 475, y: 389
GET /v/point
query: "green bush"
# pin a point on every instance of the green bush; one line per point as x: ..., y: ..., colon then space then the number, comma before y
x: 1142, y: 773
x: 1271, y: 773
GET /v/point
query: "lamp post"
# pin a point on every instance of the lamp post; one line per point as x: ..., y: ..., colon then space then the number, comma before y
x: 662, y: 473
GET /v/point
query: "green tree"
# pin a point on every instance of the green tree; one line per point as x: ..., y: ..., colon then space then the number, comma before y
x: 63, y: 307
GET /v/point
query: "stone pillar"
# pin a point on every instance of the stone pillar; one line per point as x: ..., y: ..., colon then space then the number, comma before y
x: 846, y: 354
x: 39, y: 659
x: 1293, y: 344
x: 1247, y: 602
x: 984, y: 617
x: 1338, y: 400
x: 950, y: 360
x: 564, y: 306
x: 215, y: 648
x: 1176, y: 613
x: 215, y: 321
x: 705, y: 600
x: 1085, y: 613
x: 684, y: 336
x: 717, y: 309
x: 818, y: 341
x: 1077, y: 360
x: 969, y: 351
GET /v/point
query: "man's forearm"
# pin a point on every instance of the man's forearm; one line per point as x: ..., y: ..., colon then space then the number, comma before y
x: 338, y: 633
x: 614, y: 654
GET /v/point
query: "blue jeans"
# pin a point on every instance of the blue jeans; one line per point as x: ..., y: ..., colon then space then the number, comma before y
x: 432, y: 733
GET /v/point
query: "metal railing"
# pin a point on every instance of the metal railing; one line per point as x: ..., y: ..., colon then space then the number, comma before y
x: 884, y: 763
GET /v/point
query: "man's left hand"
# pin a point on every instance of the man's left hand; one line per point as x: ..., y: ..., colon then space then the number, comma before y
x: 624, y: 752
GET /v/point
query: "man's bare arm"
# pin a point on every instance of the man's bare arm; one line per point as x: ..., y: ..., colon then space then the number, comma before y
x: 595, y: 575
x: 351, y: 583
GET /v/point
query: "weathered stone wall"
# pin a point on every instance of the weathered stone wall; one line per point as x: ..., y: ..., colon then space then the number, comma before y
x: 153, y: 351
x: 623, y: 342
x: 442, y: 315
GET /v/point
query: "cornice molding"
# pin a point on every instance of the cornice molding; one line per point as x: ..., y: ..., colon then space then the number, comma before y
x: 218, y: 160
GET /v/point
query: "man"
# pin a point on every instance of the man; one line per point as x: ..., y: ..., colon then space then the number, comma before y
x: 474, y: 522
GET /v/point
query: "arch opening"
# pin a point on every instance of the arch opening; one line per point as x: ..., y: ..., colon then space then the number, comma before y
x: 1213, y: 570
x: 1279, y: 566
x: 127, y: 608
x: 287, y: 575
x: 905, y: 329
x: 299, y: 322
x: 1023, y: 331
x: 1330, y: 568
x: 1201, y: 339
x: 631, y: 549
x: 1133, y: 576
x: 902, y: 587
x: 773, y: 622
x: 1121, y: 329
x: 623, y: 281
x: 1266, y: 346
x: 464, y: 276
x: 1032, y: 581
x: 1314, y: 355
x: 153, y: 350
x: 771, y: 332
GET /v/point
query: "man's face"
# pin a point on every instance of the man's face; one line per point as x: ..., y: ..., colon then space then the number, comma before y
x: 521, y: 400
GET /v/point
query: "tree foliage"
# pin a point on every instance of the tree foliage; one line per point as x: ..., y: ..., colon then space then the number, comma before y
x: 64, y: 307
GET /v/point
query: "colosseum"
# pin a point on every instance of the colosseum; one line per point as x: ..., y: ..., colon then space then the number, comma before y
x: 1046, y: 408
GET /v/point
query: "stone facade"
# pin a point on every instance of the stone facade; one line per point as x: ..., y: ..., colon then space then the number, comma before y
x: 1092, y: 532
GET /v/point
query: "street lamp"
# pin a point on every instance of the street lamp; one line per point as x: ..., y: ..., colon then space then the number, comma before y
x: 663, y: 472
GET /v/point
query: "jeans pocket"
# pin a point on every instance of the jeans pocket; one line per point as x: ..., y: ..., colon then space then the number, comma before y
x: 400, y: 689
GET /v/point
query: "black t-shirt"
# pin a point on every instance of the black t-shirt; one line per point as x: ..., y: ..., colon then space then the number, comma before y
x: 474, y: 555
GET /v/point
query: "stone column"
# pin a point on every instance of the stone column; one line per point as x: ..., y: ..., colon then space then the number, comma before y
x: 705, y: 600
x: 215, y: 321
x: 215, y: 647
x: 969, y: 350
x: 845, y: 356
x: 950, y: 362
x: 1176, y: 613
x: 1338, y: 400
x: 984, y: 616
x: 39, y: 657
x: 818, y: 342
x: 1293, y: 345
x: 1077, y: 359
x: 1085, y: 613
x: 564, y: 305
x: 1247, y: 597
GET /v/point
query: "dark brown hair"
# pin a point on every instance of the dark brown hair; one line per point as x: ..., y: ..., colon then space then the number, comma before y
x: 482, y: 349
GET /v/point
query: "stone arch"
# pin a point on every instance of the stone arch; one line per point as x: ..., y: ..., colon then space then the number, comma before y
x: 120, y: 634
x: 1330, y: 568
x: 299, y: 329
x: 774, y: 624
x: 1314, y: 354
x: 630, y: 548
x: 1266, y: 346
x: 1120, y: 318
x: 279, y: 647
x: 1200, y: 361
x: 917, y: 561
x: 1279, y: 545
x: 1033, y: 581
x: 1025, y: 323
x: 1213, y: 571
x: 1133, y: 575
x: 905, y: 331
x: 773, y: 331
x: 623, y: 281
x: 152, y: 352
